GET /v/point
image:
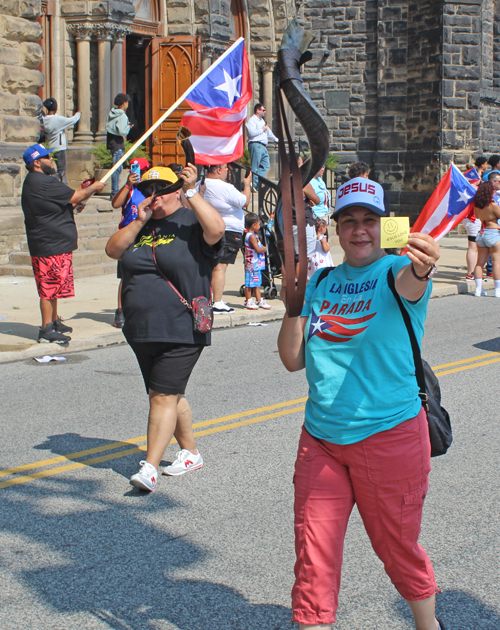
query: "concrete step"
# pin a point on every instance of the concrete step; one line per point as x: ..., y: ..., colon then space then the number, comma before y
x: 96, y: 231
x: 15, y: 270
x: 79, y: 270
x: 90, y: 244
x: 79, y: 258
x: 89, y: 217
x: 86, y: 271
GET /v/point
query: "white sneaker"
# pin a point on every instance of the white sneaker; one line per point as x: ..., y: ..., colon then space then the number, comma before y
x: 263, y: 304
x: 146, y: 478
x: 184, y: 462
x: 480, y: 293
x: 222, y: 307
x: 497, y: 293
x: 251, y: 305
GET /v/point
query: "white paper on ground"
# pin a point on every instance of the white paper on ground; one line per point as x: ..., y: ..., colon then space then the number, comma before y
x: 256, y: 324
x: 47, y: 358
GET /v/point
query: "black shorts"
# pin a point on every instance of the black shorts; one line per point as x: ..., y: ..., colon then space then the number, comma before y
x: 232, y: 245
x: 166, y: 367
x: 472, y: 239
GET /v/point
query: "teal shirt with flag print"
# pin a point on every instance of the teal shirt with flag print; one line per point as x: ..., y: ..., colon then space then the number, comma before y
x: 359, y: 362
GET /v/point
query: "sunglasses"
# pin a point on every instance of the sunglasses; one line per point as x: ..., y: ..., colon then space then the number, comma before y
x: 152, y: 189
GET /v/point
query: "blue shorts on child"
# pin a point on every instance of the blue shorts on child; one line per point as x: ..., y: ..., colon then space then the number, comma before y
x: 253, y: 278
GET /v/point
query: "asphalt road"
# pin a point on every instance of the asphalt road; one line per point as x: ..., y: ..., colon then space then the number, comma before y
x: 213, y: 549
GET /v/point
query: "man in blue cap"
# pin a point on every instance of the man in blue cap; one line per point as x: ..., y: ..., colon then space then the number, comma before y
x: 48, y: 206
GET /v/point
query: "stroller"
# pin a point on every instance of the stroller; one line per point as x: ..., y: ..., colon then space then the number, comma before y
x: 273, y: 260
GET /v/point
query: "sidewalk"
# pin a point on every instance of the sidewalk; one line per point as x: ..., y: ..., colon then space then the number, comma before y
x: 91, y: 312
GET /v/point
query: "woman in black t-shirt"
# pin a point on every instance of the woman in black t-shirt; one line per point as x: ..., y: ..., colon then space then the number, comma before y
x: 158, y: 326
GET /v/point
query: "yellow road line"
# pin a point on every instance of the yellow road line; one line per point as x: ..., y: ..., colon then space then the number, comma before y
x: 467, y: 367
x: 130, y: 451
x: 63, y: 458
x: 252, y: 412
x: 482, y: 356
x: 142, y: 438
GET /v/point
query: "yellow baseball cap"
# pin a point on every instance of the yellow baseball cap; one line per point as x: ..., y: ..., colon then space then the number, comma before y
x: 162, y: 176
x: 161, y: 173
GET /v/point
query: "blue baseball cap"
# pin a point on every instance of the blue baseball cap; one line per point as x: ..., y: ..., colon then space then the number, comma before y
x: 486, y: 176
x: 35, y: 152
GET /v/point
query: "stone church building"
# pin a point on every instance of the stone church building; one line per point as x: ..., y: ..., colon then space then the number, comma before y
x: 405, y: 86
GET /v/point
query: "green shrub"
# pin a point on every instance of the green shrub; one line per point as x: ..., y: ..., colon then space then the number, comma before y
x: 104, y: 159
x: 332, y: 160
x: 245, y: 160
x: 53, y: 154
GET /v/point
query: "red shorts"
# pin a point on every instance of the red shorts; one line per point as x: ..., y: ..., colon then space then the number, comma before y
x: 54, y: 276
x: 386, y: 476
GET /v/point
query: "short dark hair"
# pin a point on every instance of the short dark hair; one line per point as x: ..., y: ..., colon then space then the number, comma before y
x: 121, y: 98
x: 250, y: 219
x: 176, y: 168
x: 30, y: 167
x: 213, y: 167
x: 494, y: 160
x: 480, y: 161
x: 50, y: 104
x: 258, y: 106
x: 492, y: 175
x: 358, y: 168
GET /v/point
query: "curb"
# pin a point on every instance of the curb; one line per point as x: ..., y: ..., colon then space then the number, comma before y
x: 238, y: 318
x: 115, y: 337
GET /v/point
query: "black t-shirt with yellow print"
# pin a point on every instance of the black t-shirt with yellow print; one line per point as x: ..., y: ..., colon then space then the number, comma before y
x: 152, y: 309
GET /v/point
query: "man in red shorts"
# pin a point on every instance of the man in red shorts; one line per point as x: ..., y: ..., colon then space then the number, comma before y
x: 48, y: 207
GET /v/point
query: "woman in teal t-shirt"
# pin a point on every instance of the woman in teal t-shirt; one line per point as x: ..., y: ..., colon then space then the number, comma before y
x: 322, y: 209
x: 365, y: 439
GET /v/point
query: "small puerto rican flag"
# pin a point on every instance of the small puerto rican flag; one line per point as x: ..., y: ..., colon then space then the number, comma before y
x: 449, y: 204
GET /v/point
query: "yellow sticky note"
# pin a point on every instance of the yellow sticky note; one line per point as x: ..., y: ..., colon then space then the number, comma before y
x: 394, y: 231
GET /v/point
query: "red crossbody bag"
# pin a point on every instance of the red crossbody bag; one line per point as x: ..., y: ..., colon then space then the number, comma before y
x: 200, y: 307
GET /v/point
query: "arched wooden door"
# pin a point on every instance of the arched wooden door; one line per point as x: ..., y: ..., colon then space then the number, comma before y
x: 173, y: 63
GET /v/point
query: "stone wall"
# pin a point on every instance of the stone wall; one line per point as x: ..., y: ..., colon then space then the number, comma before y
x: 407, y: 86
x: 342, y: 76
x: 489, y: 98
x: 20, y: 55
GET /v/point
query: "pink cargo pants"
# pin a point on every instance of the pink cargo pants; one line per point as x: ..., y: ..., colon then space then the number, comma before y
x: 386, y: 475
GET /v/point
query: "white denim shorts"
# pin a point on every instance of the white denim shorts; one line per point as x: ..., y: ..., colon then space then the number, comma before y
x: 488, y: 237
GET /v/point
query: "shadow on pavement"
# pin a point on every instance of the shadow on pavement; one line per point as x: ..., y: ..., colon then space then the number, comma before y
x: 71, y: 443
x: 106, y: 316
x: 490, y: 345
x: 18, y: 329
x: 84, y: 555
x: 459, y: 610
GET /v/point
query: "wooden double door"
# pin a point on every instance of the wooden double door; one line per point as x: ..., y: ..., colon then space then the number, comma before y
x: 172, y: 65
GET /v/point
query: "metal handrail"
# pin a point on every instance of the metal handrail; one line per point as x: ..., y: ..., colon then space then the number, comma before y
x: 267, y: 192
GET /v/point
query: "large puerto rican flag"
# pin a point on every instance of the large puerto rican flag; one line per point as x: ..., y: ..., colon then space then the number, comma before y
x: 449, y: 204
x: 220, y: 103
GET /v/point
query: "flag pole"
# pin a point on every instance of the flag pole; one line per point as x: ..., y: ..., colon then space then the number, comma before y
x: 169, y: 111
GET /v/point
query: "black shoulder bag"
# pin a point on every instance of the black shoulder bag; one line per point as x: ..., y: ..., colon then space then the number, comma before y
x: 430, y: 393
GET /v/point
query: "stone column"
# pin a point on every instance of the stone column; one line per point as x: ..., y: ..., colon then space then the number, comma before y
x: 82, y: 35
x: 104, y: 38
x: 117, y: 67
x: 209, y: 52
x: 267, y: 66
x: 117, y: 85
